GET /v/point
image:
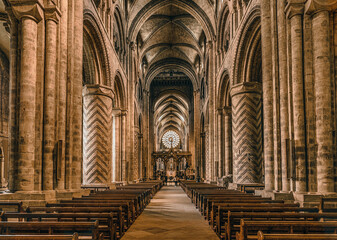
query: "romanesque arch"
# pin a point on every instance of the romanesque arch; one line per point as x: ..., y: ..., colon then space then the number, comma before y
x: 246, y: 94
x: 98, y: 103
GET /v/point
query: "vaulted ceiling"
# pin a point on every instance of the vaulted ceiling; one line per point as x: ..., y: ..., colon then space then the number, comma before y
x: 171, y: 38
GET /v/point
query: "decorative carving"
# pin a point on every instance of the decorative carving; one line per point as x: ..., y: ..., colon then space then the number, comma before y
x: 27, y: 8
x: 246, y: 87
x: 52, y: 13
x: 295, y: 7
x: 313, y: 6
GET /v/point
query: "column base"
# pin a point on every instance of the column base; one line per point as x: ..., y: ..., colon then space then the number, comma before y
x: 40, y: 198
x: 287, y: 197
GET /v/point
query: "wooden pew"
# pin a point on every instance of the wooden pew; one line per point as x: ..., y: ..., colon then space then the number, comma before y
x: 330, y: 201
x: 129, y: 202
x: 105, y: 220
x: 126, y: 211
x: 213, y: 203
x: 248, y: 228
x: 262, y: 236
x: 118, y: 218
x: 5, y: 205
x: 234, y: 219
x: 50, y: 228
x: 43, y: 237
x: 222, y: 214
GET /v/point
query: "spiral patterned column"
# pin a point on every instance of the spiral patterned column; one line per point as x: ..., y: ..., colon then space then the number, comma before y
x: 97, y: 134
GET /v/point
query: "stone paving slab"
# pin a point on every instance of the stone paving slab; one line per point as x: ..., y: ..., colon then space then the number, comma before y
x: 170, y: 215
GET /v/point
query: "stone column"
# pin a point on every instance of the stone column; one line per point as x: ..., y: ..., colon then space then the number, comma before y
x: 247, y: 132
x: 323, y: 78
x: 13, y: 100
x: 267, y: 82
x: 196, y: 108
x: 295, y: 14
x: 131, y: 127
x: 77, y: 78
x: 228, y: 140
x: 123, y: 147
x: 62, y: 99
x: 116, y: 145
x: 211, y: 133
x: 140, y: 155
x: 283, y: 78
x: 97, y: 134
x: 219, y: 142
x: 52, y: 15
x: 29, y: 13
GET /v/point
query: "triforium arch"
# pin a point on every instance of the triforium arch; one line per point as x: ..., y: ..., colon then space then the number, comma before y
x: 119, y: 34
x: 223, y: 31
x: 246, y: 93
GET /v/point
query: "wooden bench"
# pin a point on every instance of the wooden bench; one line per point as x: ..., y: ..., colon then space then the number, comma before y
x: 85, y: 230
x: 105, y: 220
x: 42, y: 237
x: 129, y: 202
x: 213, y: 203
x: 249, y: 228
x: 249, y: 187
x: 234, y: 219
x: 222, y: 215
x: 214, y: 211
x: 116, y: 212
x: 328, y: 201
x: 9, y: 205
x: 126, y: 211
x: 262, y: 236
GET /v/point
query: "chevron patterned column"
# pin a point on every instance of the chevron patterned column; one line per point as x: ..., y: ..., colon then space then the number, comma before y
x: 247, y: 132
x: 97, y: 134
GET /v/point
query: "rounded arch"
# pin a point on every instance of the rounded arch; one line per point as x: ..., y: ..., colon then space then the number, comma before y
x: 224, y: 97
x: 167, y: 64
x: 96, y: 66
x: 119, y: 90
x: 119, y: 37
x: 249, y: 50
x: 223, y: 25
x: 189, y: 6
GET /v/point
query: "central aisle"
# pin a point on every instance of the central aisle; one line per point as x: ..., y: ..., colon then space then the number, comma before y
x: 170, y: 215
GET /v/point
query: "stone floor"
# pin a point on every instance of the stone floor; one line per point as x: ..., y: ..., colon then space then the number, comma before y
x: 170, y: 215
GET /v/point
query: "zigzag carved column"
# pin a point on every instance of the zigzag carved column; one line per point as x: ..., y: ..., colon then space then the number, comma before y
x: 247, y: 132
x: 97, y: 134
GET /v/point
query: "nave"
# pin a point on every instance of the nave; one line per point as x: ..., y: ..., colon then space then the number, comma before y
x: 149, y: 210
x: 170, y: 215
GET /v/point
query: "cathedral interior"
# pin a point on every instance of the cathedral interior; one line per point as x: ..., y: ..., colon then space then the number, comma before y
x: 116, y: 95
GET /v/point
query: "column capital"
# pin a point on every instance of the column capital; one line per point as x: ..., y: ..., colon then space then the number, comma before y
x: 196, y: 92
x: 227, y: 110
x: 209, y: 44
x: 124, y: 113
x: 295, y: 7
x: 27, y: 9
x: 96, y: 89
x: 314, y: 6
x: 246, y: 87
x: 52, y: 13
x: 132, y: 46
